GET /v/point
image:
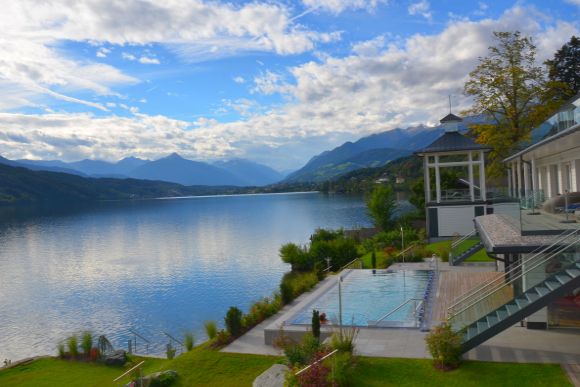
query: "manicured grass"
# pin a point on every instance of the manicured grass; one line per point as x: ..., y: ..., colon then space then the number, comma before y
x: 56, y: 372
x: 206, y: 367
x: 200, y: 367
x: 419, y: 372
x: 480, y: 256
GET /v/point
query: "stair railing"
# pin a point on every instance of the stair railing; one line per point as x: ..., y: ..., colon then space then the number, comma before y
x: 538, y: 252
x: 457, y: 242
x: 490, y: 292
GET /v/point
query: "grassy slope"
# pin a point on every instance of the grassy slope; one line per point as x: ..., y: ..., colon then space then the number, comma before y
x: 203, y: 367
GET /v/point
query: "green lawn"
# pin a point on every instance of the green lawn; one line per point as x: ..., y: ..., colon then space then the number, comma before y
x: 419, y: 372
x: 480, y: 256
x: 205, y: 367
x: 200, y: 367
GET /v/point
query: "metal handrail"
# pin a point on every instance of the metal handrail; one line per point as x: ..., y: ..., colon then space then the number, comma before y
x: 537, y: 252
x: 479, y: 289
x: 412, y: 245
x: 316, y: 362
x: 493, y: 291
x: 463, y: 238
x: 396, y: 309
x: 350, y: 263
x: 139, y: 336
x: 127, y: 372
x: 173, y: 338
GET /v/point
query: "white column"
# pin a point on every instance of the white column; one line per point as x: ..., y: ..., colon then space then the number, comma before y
x: 560, y: 178
x: 519, y: 179
x: 509, y: 180
x: 437, y: 179
x: 426, y: 180
x: 540, y: 179
x: 549, y: 178
x: 482, y: 184
x: 576, y: 175
x: 526, y: 179
x: 471, y: 182
x: 534, y: 176
x: 514, y: 180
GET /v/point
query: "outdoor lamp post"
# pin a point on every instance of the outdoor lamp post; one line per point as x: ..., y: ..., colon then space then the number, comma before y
x: 327, y: 259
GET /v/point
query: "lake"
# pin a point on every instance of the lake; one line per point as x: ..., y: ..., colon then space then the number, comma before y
x: 152, y: 266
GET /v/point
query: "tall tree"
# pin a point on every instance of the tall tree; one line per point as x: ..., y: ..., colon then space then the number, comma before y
x: 510, y: 89
x: 565, y: 67
x: 381, y: 205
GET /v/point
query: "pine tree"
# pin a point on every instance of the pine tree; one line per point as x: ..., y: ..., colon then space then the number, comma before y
x: 565, y: 67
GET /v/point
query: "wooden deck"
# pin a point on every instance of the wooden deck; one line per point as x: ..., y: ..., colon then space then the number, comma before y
x: 453, y: 284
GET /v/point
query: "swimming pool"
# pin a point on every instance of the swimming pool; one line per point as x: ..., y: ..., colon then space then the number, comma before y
x: 368, y: 296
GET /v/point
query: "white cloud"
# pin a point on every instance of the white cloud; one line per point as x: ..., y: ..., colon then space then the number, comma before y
x: 338, y: 6
x: 103, y: 52
x: 575, y: 2
x: 195, y: 29
x: 379, y: 86
x: 128, y: 56
x: 147, y: 60
x: 422, y: 8
x: 239, y: 79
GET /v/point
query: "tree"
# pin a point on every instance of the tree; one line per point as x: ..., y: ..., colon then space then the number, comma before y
x: 381, y: 205
x: 512, y: 92
x: 565, y: 67
x: 296, y: 256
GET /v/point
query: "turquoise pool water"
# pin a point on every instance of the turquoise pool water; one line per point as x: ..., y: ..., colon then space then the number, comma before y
x: 367, y: 296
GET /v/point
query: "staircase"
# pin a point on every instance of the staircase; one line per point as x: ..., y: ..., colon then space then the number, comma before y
x: 491, y: 308
x: 464, y: 247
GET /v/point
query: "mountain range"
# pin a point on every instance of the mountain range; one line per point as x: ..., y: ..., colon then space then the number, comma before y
x: 371, y: 151
x: 173, y: 168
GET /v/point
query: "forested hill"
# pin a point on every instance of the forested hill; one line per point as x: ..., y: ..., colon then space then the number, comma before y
x: 23, y: 185
x: 410, y: 168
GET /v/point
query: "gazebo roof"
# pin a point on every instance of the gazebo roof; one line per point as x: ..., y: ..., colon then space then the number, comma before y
x: 452, y: 142
x: 450, y: 118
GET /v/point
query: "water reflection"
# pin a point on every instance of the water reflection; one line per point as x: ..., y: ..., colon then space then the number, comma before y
x: 159, y: 265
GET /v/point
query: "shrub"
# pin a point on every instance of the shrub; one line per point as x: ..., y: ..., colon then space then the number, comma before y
x: 170, y: 351
x: 87, y: 342
x: 343, y: 340
x: 188, y: 341
x: 261, y: 310
x: 233, y: 321
x: 316, y: 375
x: 61, y: 351
x: 341, y: 369
x: 210, y: 329
x: 164, y: 380
x: 443, y: 252
x: 444, y: 344
x: 297, y: 256
x: 294, y: 284
x: 316, y: 324
x: 222, y: 338
x: 73, y: 346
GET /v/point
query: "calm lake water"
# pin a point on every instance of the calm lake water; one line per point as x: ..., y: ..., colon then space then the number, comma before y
x: 152, y: 266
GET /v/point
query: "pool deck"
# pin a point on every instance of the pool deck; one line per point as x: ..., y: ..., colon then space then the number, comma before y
x: 516, y: 344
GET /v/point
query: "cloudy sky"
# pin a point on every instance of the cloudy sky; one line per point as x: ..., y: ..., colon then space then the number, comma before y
x: 272, y: 81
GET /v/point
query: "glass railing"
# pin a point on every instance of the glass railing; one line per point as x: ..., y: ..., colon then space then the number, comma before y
x: 567, y: 117
x: 459, y: 195
x: 462, y: 245
x: 533, y: 269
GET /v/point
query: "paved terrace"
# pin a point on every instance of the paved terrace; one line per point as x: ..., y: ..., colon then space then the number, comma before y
x: 516, y: 344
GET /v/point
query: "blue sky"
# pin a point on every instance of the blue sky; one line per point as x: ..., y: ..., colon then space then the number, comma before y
x: 276, y: 82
